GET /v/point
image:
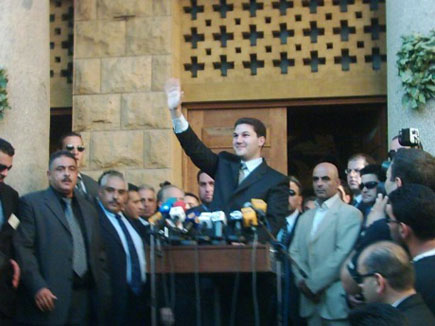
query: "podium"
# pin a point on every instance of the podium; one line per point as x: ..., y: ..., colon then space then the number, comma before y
x: 213, y: 259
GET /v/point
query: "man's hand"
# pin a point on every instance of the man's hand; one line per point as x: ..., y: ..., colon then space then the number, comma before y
x: 16, y: 274
x: 44, y: 300
x: 378, y: 210
x: 173, y: 94
x: 307, y: 292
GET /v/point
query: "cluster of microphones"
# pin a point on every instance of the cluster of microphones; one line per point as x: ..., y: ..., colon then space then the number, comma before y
x: 177, y: 225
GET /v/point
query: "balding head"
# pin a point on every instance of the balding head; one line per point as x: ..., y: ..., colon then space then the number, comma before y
x: 325, y: 181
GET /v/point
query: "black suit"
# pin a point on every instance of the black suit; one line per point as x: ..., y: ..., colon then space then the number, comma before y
x: 44, y: 251
x: 91, y: 187
x: 262, y: 183
x: 416, y: 311
x: 425, y: 280
x: 9, y: 200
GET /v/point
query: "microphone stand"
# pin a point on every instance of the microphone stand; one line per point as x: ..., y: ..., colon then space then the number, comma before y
x: 153, y: 277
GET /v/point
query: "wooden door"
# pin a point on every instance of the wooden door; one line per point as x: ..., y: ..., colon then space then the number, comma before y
x: 214, y: 126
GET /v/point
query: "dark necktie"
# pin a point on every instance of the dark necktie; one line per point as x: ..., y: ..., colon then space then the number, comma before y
x: 136, y: 279
x: 243, y: 171
x: 79, y: 186
x: 285, y: 240
x: 80, y: 265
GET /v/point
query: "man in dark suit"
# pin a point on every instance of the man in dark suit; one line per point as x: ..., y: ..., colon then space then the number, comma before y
x: 386, y: 275
x: 126, y: 252
x: 411, y: 217
x: 86, y: 186
x: 58, y: 246
x: 9, y: 270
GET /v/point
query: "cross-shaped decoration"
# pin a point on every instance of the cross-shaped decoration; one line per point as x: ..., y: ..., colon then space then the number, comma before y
x: 284, y: 63
x: 283, y: 33
x: 194, y: 66
x: 253, y: 64
x: 194, y: 38
x: 223, y: 8
x: 252, y: 6
x: 344, y: 30
x: 223, y: 65
x: 282, y: 5
x: 343, y: 4
x: 313, y: 4
x: 253, y: 35
x: 223, y: 37
x: 376, y: 58
x: 194, y: 9
x: 313, y: 31
x: 314, y: 61
x: 374, y: 4
x: 374, y: 29
x: 345, y: 60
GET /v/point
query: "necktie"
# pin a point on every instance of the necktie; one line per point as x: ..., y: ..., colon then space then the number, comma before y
x: 80, y: 265
x: 242, y: 172
x: 79, y: 185
x: 136, y: 279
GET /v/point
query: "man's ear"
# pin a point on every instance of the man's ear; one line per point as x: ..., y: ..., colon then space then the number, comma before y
x: 261, y: 141
x: 404, y: 230
x: 381, y: 283
x: 398, y: 182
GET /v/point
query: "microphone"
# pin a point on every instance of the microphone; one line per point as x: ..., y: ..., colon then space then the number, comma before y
x: 260, y: 208
x: 219, y: 220
x: 249, y: 217
x: 204, y: 220
x: 177, y: 212
x: 163, y: 211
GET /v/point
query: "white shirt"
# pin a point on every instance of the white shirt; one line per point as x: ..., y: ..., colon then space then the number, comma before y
x: 425, y: 254
x: 398, y: 302
x: 321, y: 210
x: 251, y: 165
x: 137, y: 241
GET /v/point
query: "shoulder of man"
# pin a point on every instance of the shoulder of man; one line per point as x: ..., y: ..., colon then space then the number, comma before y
x: 347, y: 210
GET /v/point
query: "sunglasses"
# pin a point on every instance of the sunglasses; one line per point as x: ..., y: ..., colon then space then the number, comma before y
x: 70, y: 147
x: 359, y: 278
x: 390, y: 220
x: 368, y: 185
x: 291, y: 192
x: 5, y: 167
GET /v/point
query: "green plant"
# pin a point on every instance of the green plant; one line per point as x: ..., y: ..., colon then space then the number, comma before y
x: 4, y: 104
x: 416, y: 63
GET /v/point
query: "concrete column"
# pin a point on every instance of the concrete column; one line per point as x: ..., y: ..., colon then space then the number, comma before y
x: 405, y: 17
x: 24, y: 52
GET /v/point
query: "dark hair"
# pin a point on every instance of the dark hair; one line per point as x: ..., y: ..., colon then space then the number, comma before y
x: 163, y: 186
x: 58, y: 154
x: 198, y: 174
x: 367, y: 158
x: 392, y: 262
x: 192, y: 195
x: 414, y: 165
x: 259, y: 127
x: 107, y: 174
x: 68, y: 134
x: 292, y: 178
x: 377, y: 313
x: 6, y: 147
x: 414, y: 205
x: 372, y: 169
x: 132, y: 187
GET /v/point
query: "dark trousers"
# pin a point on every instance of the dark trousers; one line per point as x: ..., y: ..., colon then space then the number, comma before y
x: 79, y: 312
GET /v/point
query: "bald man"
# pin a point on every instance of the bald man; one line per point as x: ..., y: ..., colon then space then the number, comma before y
x: 323, y: 238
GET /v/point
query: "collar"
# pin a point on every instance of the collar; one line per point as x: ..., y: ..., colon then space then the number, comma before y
x: 428, y: 253
x: 327, y: 203
x: 109, y: 213
x: 292, y: 216
x: 358, y: 198
x: 396, y: 303
x: 252, y: 164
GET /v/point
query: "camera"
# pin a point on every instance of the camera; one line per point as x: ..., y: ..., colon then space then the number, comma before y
x: 410, y: 137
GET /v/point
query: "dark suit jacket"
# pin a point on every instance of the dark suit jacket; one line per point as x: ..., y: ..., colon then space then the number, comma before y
x: 44, y: 249
x: 9, y: 200
x: 425, y: 280
x: 117, y: 269
x: 262, y: 183
x: 416, y: 311
x: 91, y: 187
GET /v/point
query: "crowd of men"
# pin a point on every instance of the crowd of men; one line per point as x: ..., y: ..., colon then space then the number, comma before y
x: 359, y: 252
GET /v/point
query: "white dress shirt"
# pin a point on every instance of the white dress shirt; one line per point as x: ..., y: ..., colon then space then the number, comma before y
x: 321, y: 210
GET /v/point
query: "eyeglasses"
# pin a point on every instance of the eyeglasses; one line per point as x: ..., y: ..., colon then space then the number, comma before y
x: 359, y: 278
x: 368, y: 185
x: 390, y: 220
x: 349, y: 171
x: 70, y: 147
x: 291, y: 192
x: 5, y: 167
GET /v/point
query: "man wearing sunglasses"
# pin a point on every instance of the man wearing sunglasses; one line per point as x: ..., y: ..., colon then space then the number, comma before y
x: 73, y: 143
x: 385, y: 274
x: 9, y: 270
x: 369, y: 186
x: 354, y: 166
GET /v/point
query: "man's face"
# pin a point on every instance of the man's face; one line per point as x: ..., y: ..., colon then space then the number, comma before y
x: 394, y: 226
x: 172, y: 192
x: 62, y: 175
x: 247, y: 145
x: 390, y: 186
x: 5, y: 165
x: 369, y: 192
x: 149, y: 202
x: 74, y: 144
x: 133, y: 206
x: 113, y: 194
x: 190, y: 201
x: 294, y: 198
x: 368, y: 285
x: 353, y: 176
x: 325, y: 182
x: 206, y: 188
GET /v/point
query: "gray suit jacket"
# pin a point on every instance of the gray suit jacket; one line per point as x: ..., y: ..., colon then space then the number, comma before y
x: 44, y: 249
x: 322, y: 255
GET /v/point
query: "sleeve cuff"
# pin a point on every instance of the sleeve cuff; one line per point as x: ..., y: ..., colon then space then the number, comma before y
x: 180, y: 124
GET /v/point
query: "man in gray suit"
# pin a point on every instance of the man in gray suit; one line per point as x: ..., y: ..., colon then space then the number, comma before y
x: 58, y: 246
x: 323, y: 238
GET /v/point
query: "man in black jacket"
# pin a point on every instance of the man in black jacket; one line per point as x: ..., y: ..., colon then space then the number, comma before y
x: 9, y: 270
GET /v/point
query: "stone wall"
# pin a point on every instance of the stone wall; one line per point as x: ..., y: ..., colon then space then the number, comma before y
x: 124, y: 50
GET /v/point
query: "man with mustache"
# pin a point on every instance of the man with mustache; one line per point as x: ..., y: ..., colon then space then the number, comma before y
x: 58, y: 246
